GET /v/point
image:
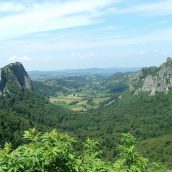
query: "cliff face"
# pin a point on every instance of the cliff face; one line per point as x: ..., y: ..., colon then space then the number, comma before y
x: 14, y: 78
x: 153, y: 79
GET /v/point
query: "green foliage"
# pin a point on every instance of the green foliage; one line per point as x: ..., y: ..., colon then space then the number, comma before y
x: 129, y: 158
x: 44, y: 152
x: 12, y: 127
x: 159, y: 148
x: 51, y: 151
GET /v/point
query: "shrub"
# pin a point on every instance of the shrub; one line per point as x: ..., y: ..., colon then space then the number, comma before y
x: 53, y: 152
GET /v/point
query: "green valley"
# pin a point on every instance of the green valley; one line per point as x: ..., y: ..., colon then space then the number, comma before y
x: 83, y: 93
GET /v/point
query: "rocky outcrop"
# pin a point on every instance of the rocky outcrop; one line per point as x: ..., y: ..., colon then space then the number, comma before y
x: 14, y: 78
x: 153, y: 79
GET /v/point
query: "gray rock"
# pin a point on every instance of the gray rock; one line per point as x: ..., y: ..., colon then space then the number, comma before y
x: 14, y: 78
x: 153, y: 79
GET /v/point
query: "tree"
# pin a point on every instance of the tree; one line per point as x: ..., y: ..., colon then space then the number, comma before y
x: 130, y: 160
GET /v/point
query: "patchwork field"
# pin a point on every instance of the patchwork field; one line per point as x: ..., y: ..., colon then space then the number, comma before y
x: 79, y: 102
x: 82, y: 93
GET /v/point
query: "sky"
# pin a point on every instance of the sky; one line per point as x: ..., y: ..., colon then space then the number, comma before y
x: 72, y: 34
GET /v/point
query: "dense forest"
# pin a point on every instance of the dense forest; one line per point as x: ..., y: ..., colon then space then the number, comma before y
x: 29, y: 109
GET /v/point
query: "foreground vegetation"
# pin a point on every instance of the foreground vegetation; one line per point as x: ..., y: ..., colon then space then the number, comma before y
x: 51, y: 151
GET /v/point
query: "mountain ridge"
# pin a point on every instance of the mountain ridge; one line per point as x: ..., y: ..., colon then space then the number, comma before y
x: 153, y: 79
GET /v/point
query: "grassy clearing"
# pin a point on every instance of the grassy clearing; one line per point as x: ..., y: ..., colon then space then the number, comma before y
x: 82, y: 101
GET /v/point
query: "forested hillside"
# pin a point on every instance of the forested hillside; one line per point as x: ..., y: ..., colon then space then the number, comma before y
x: 143, y: 116
x: 30, y: 108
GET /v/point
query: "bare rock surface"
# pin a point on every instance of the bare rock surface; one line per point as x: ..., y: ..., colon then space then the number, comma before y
x: 153, y: 79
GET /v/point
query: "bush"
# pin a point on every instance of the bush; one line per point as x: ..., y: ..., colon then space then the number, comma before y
x: 53, y: 152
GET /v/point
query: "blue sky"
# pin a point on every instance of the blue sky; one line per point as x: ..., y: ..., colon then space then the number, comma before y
x: 63, y: 34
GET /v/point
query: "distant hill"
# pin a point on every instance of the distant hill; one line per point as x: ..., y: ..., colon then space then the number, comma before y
x: 80, y: 72
x: 113, y: 85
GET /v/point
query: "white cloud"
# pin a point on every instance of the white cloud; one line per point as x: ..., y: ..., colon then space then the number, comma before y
x: 11, y: 7
x: 49, y: 16
x: 163, y: 35
x: 18, y: 58
x: 158, y: 8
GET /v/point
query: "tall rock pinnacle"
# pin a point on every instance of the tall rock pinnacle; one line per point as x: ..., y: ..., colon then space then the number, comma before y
x: 14, y: 78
